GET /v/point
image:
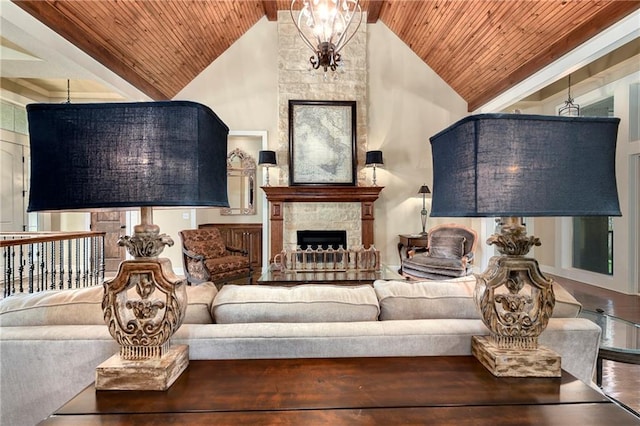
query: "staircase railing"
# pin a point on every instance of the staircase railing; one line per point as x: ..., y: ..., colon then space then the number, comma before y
x: 37, y: 261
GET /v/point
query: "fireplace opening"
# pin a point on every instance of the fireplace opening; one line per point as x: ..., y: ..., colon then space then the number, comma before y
x: 324, y: 239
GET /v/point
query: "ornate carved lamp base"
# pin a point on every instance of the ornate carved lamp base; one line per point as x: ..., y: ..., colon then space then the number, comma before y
x: 515, y: 301
x: 144, y: 305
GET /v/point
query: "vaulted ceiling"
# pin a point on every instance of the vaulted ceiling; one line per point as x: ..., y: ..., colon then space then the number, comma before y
x: 479, y: 47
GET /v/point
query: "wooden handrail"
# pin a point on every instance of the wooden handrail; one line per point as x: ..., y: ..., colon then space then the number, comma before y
x: 37, y: 261
x: 42, y: 237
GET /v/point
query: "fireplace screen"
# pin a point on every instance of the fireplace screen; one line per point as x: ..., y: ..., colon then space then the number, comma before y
x: 325, y: 251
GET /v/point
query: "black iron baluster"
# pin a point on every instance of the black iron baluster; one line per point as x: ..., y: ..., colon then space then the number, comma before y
x: 8, y: 279
x: 102, y: 262
x: 78, y: 270
x: 31, y: 266
x: 61, y: 264
x: 43, y: 259
x: 69, y: 262
x: 54, y: 271
x: 93, y: 271
x: 85, y: 261
x: 21, y: 267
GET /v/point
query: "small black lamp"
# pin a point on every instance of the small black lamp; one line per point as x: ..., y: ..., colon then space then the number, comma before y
x: 424, y: 190
x: 374, y: 159
x: 267, y: 159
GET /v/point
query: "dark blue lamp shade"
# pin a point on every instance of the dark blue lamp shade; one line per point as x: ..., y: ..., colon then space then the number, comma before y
x: 118, y: 155
x: 525, y: 165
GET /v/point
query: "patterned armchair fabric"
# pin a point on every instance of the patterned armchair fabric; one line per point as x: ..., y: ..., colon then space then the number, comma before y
x: 206, y: 257
x: 449, y: 254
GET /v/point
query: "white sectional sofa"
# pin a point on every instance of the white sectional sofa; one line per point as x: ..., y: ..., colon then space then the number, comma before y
x: 51, y: 342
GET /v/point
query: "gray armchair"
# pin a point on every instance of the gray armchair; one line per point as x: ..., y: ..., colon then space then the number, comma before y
x: 449, y: 254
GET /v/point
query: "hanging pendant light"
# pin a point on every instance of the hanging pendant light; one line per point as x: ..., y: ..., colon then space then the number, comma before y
x: 569, y: 109
x: 326, y: 26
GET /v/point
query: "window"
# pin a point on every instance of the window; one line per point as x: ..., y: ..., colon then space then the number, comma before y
x: 593, y: 236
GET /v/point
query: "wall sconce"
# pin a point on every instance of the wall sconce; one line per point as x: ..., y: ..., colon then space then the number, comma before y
x: 503, y: 165
x: 130, y: 155
x: 424, y: 190
x: 267, y: 159
x: 374, y: 159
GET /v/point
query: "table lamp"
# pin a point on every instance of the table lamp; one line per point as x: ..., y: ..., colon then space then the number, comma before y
x: 513, y: 165
x: 267, y: 159
x: 129, y: 155
x: 424, y: 190
x: 374, y: 159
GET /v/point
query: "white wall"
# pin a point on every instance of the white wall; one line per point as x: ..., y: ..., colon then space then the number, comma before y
x: 240, y: 86
x: 408, y: 103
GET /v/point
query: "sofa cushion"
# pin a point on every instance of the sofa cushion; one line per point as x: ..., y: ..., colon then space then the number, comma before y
x: 303, y: 303
x: 453, y: 299
x: 404, y: 300
x: 84, y: 307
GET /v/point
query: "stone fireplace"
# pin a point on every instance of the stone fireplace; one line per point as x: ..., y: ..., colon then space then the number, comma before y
x: 322, y: 216
x: 319, y: 207
x: 353, y: 203
x: 297, y: 81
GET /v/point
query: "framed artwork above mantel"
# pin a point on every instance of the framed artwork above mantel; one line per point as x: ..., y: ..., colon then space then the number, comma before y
x: 322, y: 143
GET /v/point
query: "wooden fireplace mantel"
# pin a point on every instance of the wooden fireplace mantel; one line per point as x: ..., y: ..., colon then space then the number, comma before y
x: 278, y: 195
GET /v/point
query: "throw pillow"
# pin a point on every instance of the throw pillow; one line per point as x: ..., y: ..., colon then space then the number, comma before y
x: 448, y: 247
x: 307, y: 303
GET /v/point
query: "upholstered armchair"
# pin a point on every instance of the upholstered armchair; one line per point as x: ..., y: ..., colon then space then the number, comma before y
x: 206, y: 257
x: 450, y: 251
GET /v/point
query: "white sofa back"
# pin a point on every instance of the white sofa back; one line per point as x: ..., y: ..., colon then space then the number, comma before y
x: 385, y: 300
x: 84, y: 307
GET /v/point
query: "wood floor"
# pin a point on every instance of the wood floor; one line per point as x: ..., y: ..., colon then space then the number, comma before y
x: 620, y: 381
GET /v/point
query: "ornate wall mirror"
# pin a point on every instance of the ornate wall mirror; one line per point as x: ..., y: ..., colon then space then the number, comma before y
x: 241, y: 184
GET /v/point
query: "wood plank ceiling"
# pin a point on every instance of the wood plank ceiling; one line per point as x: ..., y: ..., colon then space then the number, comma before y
x: 479, y: 47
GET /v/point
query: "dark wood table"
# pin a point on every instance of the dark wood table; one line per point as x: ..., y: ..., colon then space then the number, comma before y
x: 348, y: 391
x: 408, y: 242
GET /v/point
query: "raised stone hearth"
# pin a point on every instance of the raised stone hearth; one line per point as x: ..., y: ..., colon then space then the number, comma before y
x: 362, y: 197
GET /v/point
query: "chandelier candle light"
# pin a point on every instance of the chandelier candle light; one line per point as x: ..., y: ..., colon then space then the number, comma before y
x: 326, y: 26
x: 123, y: 156
x: 513, y: 165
